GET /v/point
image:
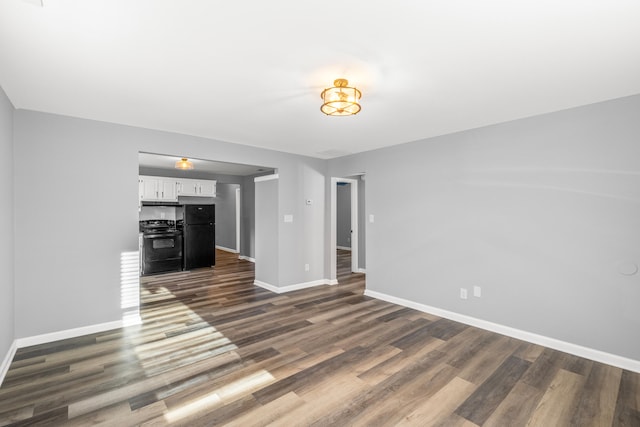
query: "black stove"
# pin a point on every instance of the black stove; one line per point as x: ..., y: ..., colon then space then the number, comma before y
x: 161, y: 246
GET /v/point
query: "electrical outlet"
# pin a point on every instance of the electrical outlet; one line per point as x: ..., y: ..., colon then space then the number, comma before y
x: 477, y: 291
x: 306, y: 267
x: 463, y: 293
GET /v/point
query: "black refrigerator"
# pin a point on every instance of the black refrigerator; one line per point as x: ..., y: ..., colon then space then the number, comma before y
x: 199, y: 236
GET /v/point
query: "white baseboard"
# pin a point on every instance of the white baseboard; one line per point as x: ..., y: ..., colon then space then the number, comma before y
x: 332, y: 282
x: 267, y: 286
x: 362, y: 270
x: 344, y: 248
x: 222, y: 248
x: 577, y: 350
x: 4, y: 367
x: 247, y: 258
x: 71, y: 333
x: 61, y: 335
x: 295, y: 287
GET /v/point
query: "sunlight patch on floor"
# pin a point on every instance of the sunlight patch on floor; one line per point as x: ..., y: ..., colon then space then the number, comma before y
x: 221, y: 395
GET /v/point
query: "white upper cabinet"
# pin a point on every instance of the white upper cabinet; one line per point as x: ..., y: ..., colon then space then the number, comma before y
x: 168, y: 190
x: 163, y: 189
x: 157, y: 189
x: 196, y: 187
x: 187, y: 187
x: 207, y: 188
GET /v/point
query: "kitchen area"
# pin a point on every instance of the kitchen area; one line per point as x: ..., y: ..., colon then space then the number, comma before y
x: 189, y: 207
x: 176, y: 238
x: 176, y: 224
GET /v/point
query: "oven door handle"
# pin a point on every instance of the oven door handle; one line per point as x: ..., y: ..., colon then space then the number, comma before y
x: 158, y: 236
x: 162, y: 235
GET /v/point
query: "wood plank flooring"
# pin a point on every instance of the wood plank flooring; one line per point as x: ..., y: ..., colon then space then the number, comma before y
x: 214, y: 349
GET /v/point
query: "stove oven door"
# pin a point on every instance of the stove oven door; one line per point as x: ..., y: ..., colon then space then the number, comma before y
x: 161, y: 253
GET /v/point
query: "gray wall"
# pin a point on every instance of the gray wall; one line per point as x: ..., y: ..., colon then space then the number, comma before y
x: 303, y: 241
x: 248, y: 218
x: 6, y: 218
x: 362, y: 223
x: 343, y: 215
x: 266, y: 225
x: 68, y: 276
x: 225, y: 202
x: 543, y: 213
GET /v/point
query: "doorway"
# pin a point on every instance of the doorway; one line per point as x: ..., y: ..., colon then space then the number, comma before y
x: 353, y: 230
x: 228, y: 220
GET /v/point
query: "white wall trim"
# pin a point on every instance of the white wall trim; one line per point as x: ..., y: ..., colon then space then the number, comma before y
x: 61, y: 335
x: 4, y: 367
x: 362, y: 270
x: 575, y: 349
x: 294, y: 287
x: 332, y: 282
x: 238, y: 219
x: 344, y: 248
x: 267, y: 286
x: 266, y: 177
x: 71, y: 333
x: 222, y: 248
x: 247, y: 258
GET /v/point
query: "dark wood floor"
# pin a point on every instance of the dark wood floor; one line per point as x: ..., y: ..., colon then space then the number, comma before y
x: 215, y: 350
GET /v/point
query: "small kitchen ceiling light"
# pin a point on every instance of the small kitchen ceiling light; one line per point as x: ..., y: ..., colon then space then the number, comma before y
x: 340, y: 100
x: 184, y: 164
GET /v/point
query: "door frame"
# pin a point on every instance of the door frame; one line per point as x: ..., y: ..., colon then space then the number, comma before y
x: 238, y: 218
x: 334, y: 227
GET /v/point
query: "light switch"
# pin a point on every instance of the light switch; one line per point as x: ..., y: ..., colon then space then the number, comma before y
x: 288, y: 218
x: 371, y: 218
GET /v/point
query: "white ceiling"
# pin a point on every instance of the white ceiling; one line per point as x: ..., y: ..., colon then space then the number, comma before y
x: 251, y: 71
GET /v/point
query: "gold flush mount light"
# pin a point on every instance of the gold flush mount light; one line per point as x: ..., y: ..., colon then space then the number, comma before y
x: 184, y: 164
x: 340, y: 100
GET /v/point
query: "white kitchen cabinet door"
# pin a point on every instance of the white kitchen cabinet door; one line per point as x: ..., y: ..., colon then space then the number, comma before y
x: 207, y: 188
x: 168, y: 190
x: 140, y: 188
x: 187, y: 187
x: 149, y: 188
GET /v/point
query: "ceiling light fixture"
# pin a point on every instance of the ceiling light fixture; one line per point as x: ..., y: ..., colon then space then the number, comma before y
x: 184, y: 164
x: 340, y: 100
